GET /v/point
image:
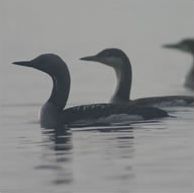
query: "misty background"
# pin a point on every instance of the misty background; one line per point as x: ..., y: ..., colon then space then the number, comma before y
x: 73, y: 29
x: 147, y: 157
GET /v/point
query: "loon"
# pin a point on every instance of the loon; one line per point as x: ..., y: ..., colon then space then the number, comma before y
x: 186, y: 45
x: 52, y: 114
x: 119, y: 61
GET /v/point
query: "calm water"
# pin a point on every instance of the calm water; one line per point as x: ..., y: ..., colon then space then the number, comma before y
x: 148, y: 157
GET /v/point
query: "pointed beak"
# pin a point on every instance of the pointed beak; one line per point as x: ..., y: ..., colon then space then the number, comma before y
x: 171, y: 46
x: 24, y: 63
x: 90, y: 58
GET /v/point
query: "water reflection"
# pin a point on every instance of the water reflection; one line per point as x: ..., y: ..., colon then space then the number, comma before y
x: 105, y: 154
x: 72, y: 155
x: 57, y: 154
x: 60, y: 154
x: 61, y: 138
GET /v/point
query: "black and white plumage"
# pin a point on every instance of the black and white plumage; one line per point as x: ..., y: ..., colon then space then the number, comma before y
x: 53, y: 113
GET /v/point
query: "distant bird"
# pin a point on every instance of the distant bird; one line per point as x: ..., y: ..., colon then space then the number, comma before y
x: 119, y: 61
x: 186, y: 45
x: 52, y: 113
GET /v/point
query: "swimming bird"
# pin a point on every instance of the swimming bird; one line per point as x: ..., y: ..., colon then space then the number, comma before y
x: 119, y: 61
x: 186, y: 45
x: 53, y: 114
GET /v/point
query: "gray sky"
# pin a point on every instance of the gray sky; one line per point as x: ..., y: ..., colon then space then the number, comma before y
x: 66, y: 26
x: 73, y: 28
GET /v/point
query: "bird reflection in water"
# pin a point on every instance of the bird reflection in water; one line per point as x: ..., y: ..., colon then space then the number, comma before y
x: 57, y: 154
x: 61, y: 137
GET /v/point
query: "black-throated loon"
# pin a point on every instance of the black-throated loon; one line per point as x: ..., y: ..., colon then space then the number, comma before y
x: 186, y: 45
x: 119, y: 61
x: 52, y: 114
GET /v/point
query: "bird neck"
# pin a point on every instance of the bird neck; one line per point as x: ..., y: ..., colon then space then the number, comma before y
x: 124, y: 80
x: 190, y: 77
x: 50, y: 115
x: 61, y: 88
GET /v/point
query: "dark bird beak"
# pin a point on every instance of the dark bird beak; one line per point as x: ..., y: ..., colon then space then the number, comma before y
x: 24, y: 63
x: 90, y: 58
x: 171, y: 46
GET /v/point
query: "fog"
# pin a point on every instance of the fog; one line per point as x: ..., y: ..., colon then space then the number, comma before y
x: 72, y: 28
x: 153, y: 157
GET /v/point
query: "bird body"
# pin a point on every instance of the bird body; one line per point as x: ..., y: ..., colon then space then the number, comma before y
x: 108, y: 113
